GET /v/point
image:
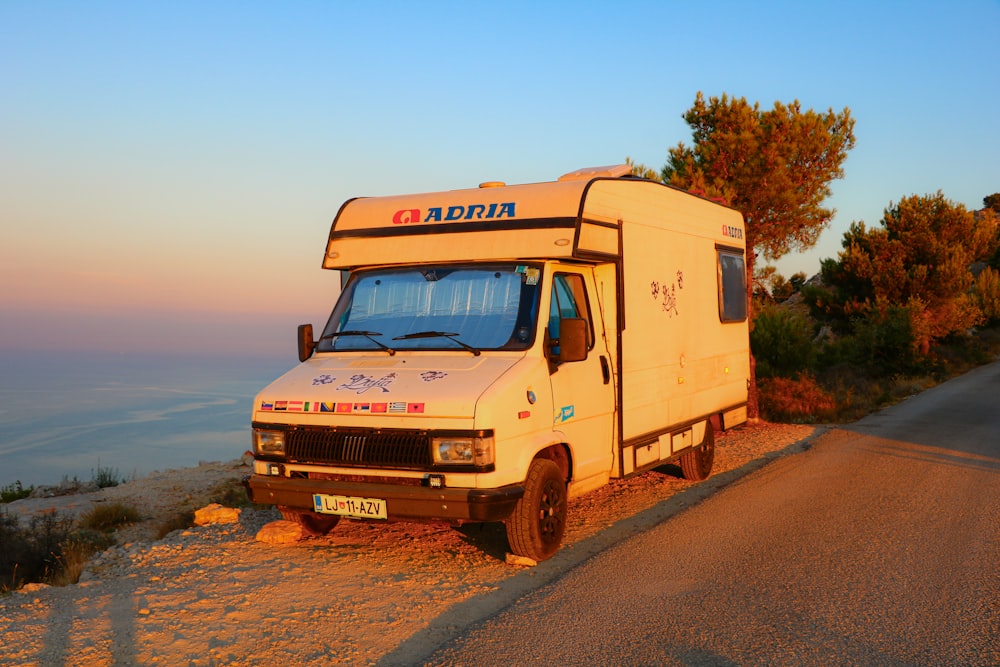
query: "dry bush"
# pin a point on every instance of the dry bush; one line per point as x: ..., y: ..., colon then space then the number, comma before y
x: 106, y: 518
x: 74, y: 554
x: 48, y: 549
x: 795, y: 401
x: 230, y: 493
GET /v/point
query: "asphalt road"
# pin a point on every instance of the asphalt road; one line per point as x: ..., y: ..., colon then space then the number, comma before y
x: 879, y: 545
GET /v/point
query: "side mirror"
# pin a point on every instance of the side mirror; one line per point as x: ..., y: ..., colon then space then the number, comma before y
x: 306, y: 342
x: 572, y: 341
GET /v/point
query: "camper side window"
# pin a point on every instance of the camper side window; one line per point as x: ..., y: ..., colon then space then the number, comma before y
x: 732, y: 286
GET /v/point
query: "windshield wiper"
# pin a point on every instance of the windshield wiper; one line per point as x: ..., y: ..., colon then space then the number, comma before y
x: 366, y: 334
x: 453, y: 337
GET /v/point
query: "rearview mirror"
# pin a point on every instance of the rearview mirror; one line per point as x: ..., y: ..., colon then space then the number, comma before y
x: 572, y: 341
x: 306, y: 342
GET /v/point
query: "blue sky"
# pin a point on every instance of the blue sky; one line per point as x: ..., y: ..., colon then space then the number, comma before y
x: 169, y: 171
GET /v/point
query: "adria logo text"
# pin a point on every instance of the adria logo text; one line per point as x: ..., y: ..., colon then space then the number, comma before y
x: 454, y: 213
x: 732, y: 232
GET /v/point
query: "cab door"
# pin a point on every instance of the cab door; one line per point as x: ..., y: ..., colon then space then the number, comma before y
x: 583, y: 392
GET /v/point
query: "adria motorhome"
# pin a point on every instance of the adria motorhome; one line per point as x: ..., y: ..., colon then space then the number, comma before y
x: 498, y: 350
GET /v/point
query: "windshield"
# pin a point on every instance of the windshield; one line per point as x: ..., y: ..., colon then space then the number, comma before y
x: 448, y: 307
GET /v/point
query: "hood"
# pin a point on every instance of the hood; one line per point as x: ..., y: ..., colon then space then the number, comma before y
x: 353, y: 386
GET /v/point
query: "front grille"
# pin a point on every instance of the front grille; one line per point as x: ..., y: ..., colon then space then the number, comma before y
x: 363, y: 479
x: 359, y: 447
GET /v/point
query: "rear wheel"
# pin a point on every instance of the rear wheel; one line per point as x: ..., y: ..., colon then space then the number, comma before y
x: 312, y: 523
x: 536, y: 527
x: 697, y: 464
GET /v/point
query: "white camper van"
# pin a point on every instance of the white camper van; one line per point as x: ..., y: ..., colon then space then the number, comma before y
x: 498, y: 350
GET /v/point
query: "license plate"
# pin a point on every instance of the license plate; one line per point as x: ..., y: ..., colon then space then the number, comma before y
x: 361, y: 508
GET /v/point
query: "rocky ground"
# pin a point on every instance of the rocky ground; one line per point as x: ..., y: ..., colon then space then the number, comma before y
x: 366, y: 594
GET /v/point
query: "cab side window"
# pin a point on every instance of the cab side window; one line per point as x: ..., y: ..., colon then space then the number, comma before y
x: 569, y: 299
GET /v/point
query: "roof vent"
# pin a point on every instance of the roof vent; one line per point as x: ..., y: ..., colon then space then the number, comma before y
x: 492, y: 184
x: 610, y: 171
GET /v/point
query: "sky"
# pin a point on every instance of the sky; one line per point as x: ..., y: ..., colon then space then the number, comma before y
x: 169, y: 170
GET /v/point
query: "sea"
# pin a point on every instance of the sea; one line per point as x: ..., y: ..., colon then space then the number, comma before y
x: 66, y: 416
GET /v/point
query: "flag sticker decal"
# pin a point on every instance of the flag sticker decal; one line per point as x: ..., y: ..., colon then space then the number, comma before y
x: 393, y: 407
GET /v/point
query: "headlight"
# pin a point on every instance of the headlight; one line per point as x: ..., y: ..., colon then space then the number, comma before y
x: 268, y: 443
x: 468, y: 450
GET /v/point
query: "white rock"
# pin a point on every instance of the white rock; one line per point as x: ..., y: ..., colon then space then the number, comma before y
x: 32, y: 588
x: 280, y: 532
x: 513, y: 559
x: 215, y: 514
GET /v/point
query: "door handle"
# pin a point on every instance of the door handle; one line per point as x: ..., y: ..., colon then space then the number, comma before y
x: 605, y: 369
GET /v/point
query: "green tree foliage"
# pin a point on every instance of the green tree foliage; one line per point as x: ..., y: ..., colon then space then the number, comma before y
x: 780, y: 288
x: 781, y: 341
x: 918, y: 260
x: 992, y: 202
x: 879, y: 344
x: 774, y: 166
x: 642, y: 171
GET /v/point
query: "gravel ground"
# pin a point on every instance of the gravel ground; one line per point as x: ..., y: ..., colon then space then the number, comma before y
x: 366, y: 594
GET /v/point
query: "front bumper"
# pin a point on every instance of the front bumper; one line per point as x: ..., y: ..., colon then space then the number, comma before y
x: 402, y: 502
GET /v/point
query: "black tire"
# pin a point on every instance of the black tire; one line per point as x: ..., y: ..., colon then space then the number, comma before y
x: 535, y: 528
x: 697, y: 464
x: 312, y: 523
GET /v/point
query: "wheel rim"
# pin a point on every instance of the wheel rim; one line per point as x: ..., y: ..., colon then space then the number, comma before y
x: 551, y: 512
x: 706, y: 456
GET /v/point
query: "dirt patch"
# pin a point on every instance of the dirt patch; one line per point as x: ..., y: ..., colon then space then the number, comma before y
x: 365, y: 594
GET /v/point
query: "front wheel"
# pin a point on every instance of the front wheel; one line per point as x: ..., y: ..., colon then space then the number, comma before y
x: 312, y: 523
x: 535, y: 528
x: 697, y: 464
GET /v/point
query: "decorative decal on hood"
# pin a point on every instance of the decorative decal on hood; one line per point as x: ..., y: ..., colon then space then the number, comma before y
x: 430, y: 376
x: 326, y: 378
x: 361, y: 383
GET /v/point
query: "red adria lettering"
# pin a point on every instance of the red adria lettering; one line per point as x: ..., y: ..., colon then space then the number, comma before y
x: 405, y: 216
x: 732, y: 232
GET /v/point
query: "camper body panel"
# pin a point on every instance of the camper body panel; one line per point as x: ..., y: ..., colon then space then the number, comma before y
x: 675, y: 350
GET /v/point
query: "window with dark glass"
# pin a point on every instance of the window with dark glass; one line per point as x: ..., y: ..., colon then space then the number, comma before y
x: 732, y: 286
x: 569, y: 299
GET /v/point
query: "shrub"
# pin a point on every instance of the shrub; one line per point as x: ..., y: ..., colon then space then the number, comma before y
x: 31, y: 553
x: 106, y: 477
x: 47, y: 550
x: 795, y: 400
x: 987, y: 294
x: 11, y: 552
x: 74, y: 553
x: 231, y: 493
x: 781, y: 341
x: 15, y: 491
x: 883, y: 343
x: 106, y: 518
